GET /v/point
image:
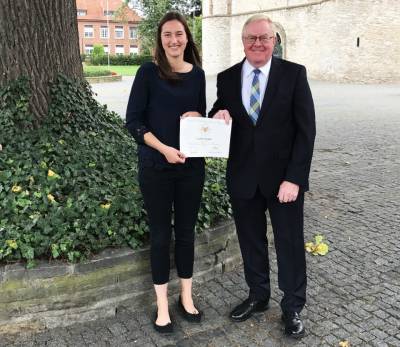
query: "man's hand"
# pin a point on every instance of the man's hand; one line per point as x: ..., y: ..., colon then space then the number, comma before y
x: 288, y: 192
x: 173, y: 156
x: 191, y: 114
x: 223, y: 114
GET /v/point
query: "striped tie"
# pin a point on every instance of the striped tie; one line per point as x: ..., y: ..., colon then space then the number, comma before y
x: 255, y: 97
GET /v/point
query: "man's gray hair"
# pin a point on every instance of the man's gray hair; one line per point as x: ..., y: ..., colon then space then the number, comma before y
x: 259, y: 18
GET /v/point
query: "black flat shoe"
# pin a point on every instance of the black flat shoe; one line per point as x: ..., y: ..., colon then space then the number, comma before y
x: 190, y: 317
x: 294, y: 327
x: 163, y: 329
x: 246, y: 309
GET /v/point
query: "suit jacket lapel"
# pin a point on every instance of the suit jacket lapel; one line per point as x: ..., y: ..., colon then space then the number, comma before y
x: 243, y: 116
x: 271, y: 88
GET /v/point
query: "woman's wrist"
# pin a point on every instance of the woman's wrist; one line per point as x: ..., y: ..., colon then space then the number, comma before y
x: 163, y: 148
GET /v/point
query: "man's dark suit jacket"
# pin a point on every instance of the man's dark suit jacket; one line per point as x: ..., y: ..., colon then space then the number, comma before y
x: 280, y: 146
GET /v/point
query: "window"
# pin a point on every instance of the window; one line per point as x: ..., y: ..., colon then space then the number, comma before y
x: 133, y: 33
x: 104, y: 32
x: 119, y: 50
x: 88, y: 30
x: 88, y: 49
x: 82, y: 13
x: 108, y: 13
x: 105, y: 48
x: 119, y: 32
x: 133, y: 50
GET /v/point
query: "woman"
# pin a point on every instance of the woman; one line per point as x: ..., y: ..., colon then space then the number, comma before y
x: 164, y: 92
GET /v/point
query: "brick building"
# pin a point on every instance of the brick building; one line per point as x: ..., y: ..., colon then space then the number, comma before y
x: 97, y: 24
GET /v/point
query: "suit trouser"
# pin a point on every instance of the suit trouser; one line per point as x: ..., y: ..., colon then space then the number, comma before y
x: 165, y: 189
x: 287, y: 225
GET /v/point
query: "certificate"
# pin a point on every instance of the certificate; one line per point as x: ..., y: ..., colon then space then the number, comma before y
x: 204, y: 137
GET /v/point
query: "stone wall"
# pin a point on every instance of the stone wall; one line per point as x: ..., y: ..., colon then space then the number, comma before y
x: 59, y: 294
x: 337, y: 40
x: 102, y: 79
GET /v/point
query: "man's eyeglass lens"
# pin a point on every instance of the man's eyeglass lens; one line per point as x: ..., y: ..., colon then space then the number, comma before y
x: 253, y: 39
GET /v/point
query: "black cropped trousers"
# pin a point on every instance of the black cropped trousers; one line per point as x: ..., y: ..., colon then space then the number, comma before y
x: 172, y: 199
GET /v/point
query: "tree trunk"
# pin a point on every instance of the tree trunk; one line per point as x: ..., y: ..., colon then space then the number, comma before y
x: 38, y: 39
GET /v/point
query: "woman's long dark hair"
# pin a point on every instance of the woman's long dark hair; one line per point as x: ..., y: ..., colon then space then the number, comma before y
x: 191, y: 54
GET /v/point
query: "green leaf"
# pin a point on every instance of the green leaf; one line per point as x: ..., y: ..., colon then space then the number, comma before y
x: 54, y: 250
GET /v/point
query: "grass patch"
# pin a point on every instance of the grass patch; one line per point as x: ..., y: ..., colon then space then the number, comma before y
x: 127, y: 70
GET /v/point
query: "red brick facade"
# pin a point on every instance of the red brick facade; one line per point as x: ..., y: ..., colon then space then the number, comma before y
x: 92, y: 26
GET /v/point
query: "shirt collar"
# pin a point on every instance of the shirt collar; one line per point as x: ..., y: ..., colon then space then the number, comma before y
x: 248, y: 68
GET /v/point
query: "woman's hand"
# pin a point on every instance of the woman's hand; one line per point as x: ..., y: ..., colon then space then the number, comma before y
x: 191, y: 114
x: 173, y: 156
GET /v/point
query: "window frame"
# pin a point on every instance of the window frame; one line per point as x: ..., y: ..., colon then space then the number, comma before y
x: 119, y: 27
x: 88, y: 49
x: 116, y: 49
x: 85, y: 33
x: 101, y: 32
x: 135, y: 30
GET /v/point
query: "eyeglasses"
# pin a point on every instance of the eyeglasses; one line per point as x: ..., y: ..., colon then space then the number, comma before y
x: 251, y: 40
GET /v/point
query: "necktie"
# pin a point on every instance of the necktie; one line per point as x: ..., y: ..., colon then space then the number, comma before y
x: 255, y: 97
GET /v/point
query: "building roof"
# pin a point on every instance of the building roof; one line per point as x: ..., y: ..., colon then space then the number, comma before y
x: 95, y: 10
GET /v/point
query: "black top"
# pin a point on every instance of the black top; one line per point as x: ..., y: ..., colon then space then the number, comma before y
x: 156, y: 105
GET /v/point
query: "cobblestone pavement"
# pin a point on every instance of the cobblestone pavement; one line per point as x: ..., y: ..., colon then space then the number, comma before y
x: 353, y: 291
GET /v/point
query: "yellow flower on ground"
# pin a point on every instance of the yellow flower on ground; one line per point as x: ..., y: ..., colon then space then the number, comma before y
x: 344, y: 343
x: 16, y: 189
x: 309, y: 246
x: 317, y: 248
x: 105, y: 206
x: 322, y: 248
x: 12, y: 244
x: 51, y: 198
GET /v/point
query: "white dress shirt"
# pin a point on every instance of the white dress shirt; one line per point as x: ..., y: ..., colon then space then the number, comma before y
x: 247, y: 79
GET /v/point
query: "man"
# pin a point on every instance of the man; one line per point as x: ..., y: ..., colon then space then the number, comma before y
x: 273, y: 131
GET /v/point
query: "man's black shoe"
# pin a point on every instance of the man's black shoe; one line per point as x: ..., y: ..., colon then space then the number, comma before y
x: 294, y: 327
x: 246, y: 309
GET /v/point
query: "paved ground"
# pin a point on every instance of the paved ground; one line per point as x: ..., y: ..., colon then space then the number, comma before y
x: 115, y: 95
x: 353, y: 291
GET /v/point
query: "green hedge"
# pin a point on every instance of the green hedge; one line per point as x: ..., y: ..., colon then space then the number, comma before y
x: 68, y: 188
x: 133, y: 59
x: 97, y: 73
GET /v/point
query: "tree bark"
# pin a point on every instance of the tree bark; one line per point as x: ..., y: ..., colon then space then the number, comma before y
x: 39, y: 39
